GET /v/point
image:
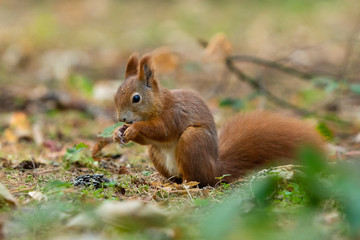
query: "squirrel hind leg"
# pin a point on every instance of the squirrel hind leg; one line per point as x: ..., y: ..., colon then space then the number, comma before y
x: 197, y: 155
x: 157, y: 159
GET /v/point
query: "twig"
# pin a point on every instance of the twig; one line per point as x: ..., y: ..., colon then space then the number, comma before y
x: 21, y: 189
x: 46, y: 171
x: 349, y: 50
x: 256, y: 85
x: 187, y: 190
x: 275, y: 65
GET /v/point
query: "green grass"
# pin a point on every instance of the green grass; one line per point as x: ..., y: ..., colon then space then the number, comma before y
x: 316, y: 200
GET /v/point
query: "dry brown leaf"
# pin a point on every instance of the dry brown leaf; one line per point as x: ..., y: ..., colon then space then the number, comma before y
x: 9, y: 136
x: 7, y: 196
x: 352, y: 153
x: 156, y: 184
x: 206, y: 192
x: 37, y: 195
x: 20, y: 121
x: 186, y: 192
x: 19, y: 127
x: 167, y: 189
x: 191, y: 184
x: 38, y: 134
x: 357, y: 138
x: 171, y: 185
x: 124, y: 170
x: 120, y: 213
x: 4, y: 162
x: 164, y: 60
x: 101, y: 143
x: 218, y: 48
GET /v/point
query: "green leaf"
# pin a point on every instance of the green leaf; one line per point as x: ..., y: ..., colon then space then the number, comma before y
x: 76, y: 154
x: 309, y: 97
x: 146, y: 173
x: 237, y: 104
x: 225, y: 175
x: 323, y: 80
x: 355, y: 88
x: 82, y: 83
x: 57, y: 184
x: 331, y: 87
x: 329, y: 84
x: 325, y: 131
x: 77, y: 148
x: 108, y: 132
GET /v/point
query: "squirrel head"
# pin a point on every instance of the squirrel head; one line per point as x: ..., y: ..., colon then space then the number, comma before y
x: 138, y: 97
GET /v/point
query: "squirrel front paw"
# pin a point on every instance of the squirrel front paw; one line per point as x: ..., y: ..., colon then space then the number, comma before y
x: 119, y: 136
x: 131, y: 133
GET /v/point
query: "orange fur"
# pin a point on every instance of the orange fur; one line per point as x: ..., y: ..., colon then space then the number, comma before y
x: 255, y: 139
x: 132, y: 66
x: 181, y: 134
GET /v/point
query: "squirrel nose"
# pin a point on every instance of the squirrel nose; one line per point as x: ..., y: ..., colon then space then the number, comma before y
x: 121, y: 119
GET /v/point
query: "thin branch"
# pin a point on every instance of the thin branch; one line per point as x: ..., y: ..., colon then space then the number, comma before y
x: 256, y: 85
x: 349, y: 50
x: 275, y: 65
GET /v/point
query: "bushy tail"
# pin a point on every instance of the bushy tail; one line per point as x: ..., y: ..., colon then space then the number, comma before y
x: 249, y: 141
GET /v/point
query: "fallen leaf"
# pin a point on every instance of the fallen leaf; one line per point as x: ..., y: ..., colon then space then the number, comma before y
x: 101, y: 143
x: 206, y: 192
x: 164, y: 60
x: 37, y: 133
x: 357, y: 138
x: 19, y: 127
x: 9, y: 136
x: 124, y: 214
x: 4, y: 162
x: 124, y: 170
x: 37, y: 195
x: 156, y: 184
x: 167, y: 189
x: 51, y: 145
x: 352, y: 153
x: 335, y: 149
x: 191, y: 184
x: 7, y: 196
x: 218, y: 48
x: 120, y: 190
x: 108, y: 132
x: 171, y: 185
x: 81, y: 221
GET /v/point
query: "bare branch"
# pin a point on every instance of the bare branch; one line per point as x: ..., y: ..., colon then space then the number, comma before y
x: 275, y: 65
x: 256, y: 85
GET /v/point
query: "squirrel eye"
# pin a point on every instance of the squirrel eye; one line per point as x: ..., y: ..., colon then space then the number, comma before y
x: 136, y: 98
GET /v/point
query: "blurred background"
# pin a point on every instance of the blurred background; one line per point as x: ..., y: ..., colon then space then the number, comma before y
x: 61, y: 62
x: 298, y: 56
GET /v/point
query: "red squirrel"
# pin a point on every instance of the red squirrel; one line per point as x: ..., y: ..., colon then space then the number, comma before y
x: 180, y: 131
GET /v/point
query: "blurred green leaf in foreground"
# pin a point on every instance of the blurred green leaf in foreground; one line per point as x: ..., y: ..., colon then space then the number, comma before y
x: 332, y: 209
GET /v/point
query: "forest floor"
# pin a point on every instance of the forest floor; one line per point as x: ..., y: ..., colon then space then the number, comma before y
x: 61, y: 62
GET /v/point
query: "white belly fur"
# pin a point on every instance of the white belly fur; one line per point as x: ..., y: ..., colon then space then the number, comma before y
x: 170, y: 162
x: 168, y: 156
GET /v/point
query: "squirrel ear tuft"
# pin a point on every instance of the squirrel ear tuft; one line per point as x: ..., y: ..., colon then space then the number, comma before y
x: 146, y: 72
x: 132, y: 65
